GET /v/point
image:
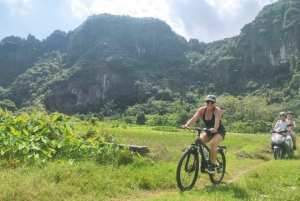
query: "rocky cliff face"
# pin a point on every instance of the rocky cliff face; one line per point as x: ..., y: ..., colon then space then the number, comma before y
x: 127, y: 60
x: 273, y: 37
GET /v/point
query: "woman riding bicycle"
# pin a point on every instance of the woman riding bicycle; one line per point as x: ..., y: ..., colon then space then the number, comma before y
x: 212, y: 118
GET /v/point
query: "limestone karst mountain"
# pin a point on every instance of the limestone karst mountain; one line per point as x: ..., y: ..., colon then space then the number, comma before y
x: 124, y: 60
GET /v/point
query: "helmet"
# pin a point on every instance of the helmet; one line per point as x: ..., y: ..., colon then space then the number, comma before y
x: 290, y: 112
x: 282, y: 113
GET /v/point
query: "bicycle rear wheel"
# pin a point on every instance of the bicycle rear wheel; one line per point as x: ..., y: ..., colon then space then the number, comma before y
x: 187, y: 170
x: 218, y: 175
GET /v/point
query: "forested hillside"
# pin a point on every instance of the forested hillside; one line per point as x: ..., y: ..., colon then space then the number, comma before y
x: 111, y: 64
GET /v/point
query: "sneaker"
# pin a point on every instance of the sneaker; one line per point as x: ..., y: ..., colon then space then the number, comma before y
x: 211, y: 169
x: 294, y: 148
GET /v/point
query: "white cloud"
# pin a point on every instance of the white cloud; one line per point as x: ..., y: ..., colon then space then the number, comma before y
x: 135, y: 8
x: 140, y: 8
x: 210, y: 20
x: 79, y: 9
x: 206, y: 20
x: 225, y: 7
x: 18, y: 11
x: 233, y: 7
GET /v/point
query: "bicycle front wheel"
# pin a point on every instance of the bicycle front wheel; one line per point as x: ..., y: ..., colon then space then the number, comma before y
x: 218, y: 175
x: 187, y: 170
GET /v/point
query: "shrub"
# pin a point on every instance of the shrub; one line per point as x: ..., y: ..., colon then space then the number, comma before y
x: 93, y: 120
x: 141, y: 118
x: 40, y: 137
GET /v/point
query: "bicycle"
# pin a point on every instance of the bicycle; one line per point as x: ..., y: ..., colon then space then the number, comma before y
x: 188, y: 166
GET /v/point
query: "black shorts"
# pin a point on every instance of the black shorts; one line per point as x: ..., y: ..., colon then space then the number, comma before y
x: 221, y: 131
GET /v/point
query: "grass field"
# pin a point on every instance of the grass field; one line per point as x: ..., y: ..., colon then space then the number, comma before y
x: 252, y: 173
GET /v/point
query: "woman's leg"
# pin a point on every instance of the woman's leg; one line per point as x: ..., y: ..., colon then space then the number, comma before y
x: 205, y: 138
x: 214, y: 147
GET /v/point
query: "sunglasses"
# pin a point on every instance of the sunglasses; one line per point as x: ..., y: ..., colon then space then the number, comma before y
x: 211, y: 102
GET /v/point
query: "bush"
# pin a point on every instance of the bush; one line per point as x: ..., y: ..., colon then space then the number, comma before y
x: 40, y: 137
x: 91, y: 132
x: 128, y: 119
x: 93, y: 120
x: 141, y: 118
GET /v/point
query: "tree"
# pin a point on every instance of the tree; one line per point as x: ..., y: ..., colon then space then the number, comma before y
x: 229, y: 106
x: 8, y: 104
x: 141, y: 118
x: 182, y: 117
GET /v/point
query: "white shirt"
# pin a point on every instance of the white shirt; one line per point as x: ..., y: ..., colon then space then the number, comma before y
x: 281, y: 125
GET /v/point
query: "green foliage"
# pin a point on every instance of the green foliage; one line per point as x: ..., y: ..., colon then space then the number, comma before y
x: 40, y: 137
x: 141, y: 118
x: 93, y: 120
x: 8, y: 104
x: 129, y: 119
x: 165, y: 128
x: 243, y: 114
x: 91, y: 132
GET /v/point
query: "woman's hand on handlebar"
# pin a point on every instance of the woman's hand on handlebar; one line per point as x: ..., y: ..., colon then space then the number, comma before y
x: 183, y: 126
x: 213, y: 130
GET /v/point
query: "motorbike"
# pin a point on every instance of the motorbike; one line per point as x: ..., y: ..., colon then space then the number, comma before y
x: 281, y: 144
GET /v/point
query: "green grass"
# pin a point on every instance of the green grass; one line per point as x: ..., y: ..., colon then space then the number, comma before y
x: 252, y: 173
x: 273, y: 180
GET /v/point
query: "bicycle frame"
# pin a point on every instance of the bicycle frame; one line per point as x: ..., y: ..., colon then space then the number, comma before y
x: 205, y: 162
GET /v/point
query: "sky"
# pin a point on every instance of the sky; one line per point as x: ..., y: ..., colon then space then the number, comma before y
x: 205, y: 20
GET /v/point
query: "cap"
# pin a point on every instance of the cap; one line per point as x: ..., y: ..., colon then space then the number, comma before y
x: 210, y: 97
x: 290, y: 112
x: 282, y: 113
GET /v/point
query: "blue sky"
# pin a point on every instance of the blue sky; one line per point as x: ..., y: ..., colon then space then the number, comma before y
x: 206, y: 20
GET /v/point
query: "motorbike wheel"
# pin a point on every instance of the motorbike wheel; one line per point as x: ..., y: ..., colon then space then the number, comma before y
x: 278, y: 153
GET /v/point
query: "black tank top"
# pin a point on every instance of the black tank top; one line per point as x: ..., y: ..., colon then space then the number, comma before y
x: 211, y: 123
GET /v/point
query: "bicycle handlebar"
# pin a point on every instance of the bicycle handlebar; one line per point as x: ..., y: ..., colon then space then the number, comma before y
x: 198, y: 129
x: 207, y: 130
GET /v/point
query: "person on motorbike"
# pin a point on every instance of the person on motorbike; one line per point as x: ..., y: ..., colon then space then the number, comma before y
x: 211, y: 115
x: 284, y: 125
x: 293, y: 134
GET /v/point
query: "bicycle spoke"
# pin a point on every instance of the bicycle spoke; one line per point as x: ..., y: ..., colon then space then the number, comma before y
x: 218, y: 175
x: 187, y: 170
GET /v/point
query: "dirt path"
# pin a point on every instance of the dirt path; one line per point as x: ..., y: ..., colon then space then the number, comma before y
x: 156, y: 194
x: 241, y: 173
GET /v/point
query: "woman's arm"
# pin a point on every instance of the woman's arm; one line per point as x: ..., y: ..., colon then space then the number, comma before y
x: 197, y: 115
